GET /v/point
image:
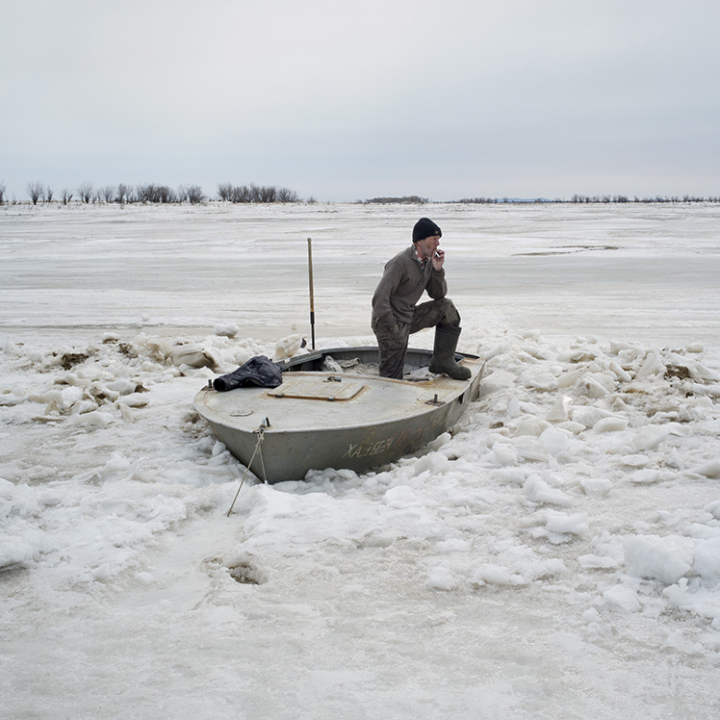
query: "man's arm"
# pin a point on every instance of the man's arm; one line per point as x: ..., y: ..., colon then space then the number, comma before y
x: 437, y: 286
x: 382, y: 309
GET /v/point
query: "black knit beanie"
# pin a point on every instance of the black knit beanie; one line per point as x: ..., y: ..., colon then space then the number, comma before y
x: 424, y: 228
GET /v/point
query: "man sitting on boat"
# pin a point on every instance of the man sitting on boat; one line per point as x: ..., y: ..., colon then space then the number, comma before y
x: 396, y: 316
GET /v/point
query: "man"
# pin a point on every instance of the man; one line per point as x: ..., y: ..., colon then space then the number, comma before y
x: 395, y: 314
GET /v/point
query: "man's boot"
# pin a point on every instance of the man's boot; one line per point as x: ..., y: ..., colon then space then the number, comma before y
x: 443, y: 358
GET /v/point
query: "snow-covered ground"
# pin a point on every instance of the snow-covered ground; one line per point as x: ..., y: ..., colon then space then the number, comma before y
x: 557, y: 556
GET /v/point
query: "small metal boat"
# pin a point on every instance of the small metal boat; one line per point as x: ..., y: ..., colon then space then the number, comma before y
x: 324, y: 418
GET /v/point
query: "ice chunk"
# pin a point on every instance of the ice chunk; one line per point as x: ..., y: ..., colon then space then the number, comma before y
x: 544, y: 382
x: 440, y: 578
x: 654, y: 558
x: 596, y: 486
x: 622, y: 597
x: 619, y: 372
x: 710, y: 469
x: 512, y: 476
x: 401, y: 497
x: 647, y: 476
x: 636, y: 461
x: 495, y: 575
x: 229, y: 330
x: 84, y: 406
x: 649, y: 437
x: 513, y: 407
x: 554, y: 440
x: 653, y: 365
x: 289, y: 346
x: 125, y: 386
x: 598, y: 562
x: 192, y: 355
x: 530, y: 425
x: 530, y: 449
x: 560, y: 522
x: 504, y: 454
x: 92, y: 420
x: 538, y: 491
x: 707, y: 560
x: 8, y: 399
x: 610, y: 424
x: 572, y: 427
x: 591, y: 388
x: 589, y: 417
x: 560, y: 410
x: 136, y: 400
x: 570, y: 378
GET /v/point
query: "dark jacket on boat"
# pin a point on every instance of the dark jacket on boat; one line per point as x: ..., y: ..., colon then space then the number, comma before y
x: 258, y: 370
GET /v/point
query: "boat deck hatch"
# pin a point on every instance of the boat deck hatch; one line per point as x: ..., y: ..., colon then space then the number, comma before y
x: 312, y: 389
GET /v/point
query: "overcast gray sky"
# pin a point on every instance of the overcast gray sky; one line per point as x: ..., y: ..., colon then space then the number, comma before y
x: 349, y: 100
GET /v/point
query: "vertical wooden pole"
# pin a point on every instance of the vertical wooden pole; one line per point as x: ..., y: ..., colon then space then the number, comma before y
x: 312, y: 295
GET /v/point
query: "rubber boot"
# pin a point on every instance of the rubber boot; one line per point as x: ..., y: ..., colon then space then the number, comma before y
x: 443, y: 358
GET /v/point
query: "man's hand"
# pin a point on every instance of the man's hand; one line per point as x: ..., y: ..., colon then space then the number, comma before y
x: 438, y: 259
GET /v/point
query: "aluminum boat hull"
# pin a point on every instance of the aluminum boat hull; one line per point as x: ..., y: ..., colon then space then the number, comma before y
x: 319, y: 419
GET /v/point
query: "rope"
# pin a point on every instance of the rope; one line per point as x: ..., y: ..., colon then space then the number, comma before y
x: 261, y: 437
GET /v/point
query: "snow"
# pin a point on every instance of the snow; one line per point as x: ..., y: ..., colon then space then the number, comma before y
x: 557, y: 555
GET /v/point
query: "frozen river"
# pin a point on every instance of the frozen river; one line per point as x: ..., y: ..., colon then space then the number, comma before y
x: 644, y: 272
x: 556, y: 556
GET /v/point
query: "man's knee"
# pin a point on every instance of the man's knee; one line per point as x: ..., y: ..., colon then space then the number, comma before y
x: 449, y: 313
x: 435, y: 312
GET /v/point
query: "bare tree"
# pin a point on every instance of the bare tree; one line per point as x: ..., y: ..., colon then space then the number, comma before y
x: 145, y: 193
x: 85, y: 192
x: 190, y: 193
x: 35, y: 191
x: 255, y: 193
x: 48, y: 194
x: 106, y: 193
x: 66, y: 196
x: 225, y: 191
x: 268, y: 194
x: 123, y: 194
x: 156, y: 194
x: 166, y: 194
x: 241, y: 194
x: 2, y: 193
x: 285, y: 195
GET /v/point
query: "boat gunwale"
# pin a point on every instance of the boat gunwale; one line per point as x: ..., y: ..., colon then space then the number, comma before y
x: 313, y: 355
x: 425, y: 409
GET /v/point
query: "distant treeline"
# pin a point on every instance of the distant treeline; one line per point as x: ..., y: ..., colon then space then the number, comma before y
x: 121, y: 194
x: 156, y: 194
x: 405, y: 200
x: 256, y: 194
x: 227, y: 192
x: 636, y: 199
x: 415, y: 199
x: 595, y: 199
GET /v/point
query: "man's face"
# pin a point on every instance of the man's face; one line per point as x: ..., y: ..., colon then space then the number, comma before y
x: 426, y: 248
